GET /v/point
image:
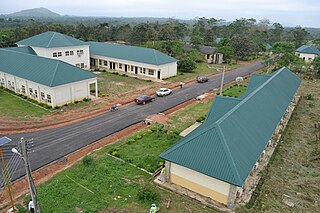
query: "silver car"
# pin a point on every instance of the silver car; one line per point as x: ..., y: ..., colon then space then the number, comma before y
x: 163, y: 92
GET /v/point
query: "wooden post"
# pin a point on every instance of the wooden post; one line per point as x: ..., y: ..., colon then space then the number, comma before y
x: 7, y: 178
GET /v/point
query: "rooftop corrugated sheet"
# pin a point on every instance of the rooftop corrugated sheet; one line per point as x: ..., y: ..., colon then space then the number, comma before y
x: 41, y: 70
x: 27, y: 50
x: 229, y: 143
x: 130, y: 53
x: 308, y: 49
x: 51, y: 39
x: 207, y: 49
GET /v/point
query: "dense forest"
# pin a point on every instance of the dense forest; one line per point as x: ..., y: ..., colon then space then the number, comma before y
x: 240, y: 39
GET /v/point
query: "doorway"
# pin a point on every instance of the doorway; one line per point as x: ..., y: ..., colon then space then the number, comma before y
x: 126, y: 68
x: 136, y: 70
x: 159, y: 74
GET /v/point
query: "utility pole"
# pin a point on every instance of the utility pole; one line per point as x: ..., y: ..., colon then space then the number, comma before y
x: 6, y: 175
x: 222, y: 79
x: 32, y: 186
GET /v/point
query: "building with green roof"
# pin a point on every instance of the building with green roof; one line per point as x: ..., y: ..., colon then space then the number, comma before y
x: 132, y: 60
x: 46, y: 80
x: 216, y: 159
x: 307, y: 53
x: 59, y: 46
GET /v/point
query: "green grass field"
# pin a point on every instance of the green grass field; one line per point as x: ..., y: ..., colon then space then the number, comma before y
x: 234, y: 90
x: 15, y: 107
x: 111, y: 84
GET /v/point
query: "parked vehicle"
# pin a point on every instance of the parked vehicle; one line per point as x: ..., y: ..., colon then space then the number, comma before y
x: 143, y: 99
x: 202, y: 79
x: 163, y: 92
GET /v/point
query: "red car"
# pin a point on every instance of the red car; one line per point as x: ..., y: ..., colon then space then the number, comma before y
x: 143, y: 99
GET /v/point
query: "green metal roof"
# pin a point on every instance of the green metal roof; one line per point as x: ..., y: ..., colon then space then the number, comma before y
x: 230, y: 141
x: 51, y: 39
x: 308, y: 49
x: 130, y: 53
x: 27, y: 50
x: 41, y: 70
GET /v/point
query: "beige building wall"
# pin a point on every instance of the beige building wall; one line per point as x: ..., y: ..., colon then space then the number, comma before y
x: 200, y: 183
x: 307, y: 57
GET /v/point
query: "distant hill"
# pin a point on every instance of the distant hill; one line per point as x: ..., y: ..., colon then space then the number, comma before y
x: 35, y: 12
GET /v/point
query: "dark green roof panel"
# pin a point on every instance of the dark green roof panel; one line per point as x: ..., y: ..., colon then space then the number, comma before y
x: 41, y: 70
x: 229, y: 143
x: 130, y: 53
x: 50, y: 40
x: 27, y: 50
x: 308, y: 49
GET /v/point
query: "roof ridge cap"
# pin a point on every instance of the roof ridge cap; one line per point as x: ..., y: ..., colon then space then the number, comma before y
x: 228, y: 155
x: 54, y: 33
x: 55, y: 72
x: 155, y: 56
x: 249, y: 96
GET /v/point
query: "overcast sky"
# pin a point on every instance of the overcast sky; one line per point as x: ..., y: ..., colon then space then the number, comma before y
x: 287, y: 12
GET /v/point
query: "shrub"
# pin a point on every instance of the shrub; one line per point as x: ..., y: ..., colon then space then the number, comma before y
x: 149, y: 131
x: 309, y: 97
x: 148, y: 194
x: 130, y: 141
x: 56, y: 107
x: 138, y: 137
x: 86, y: 99
x: 87, y: 160
x: 201, y: 119
x: 186, y: 65
x: 116, y: 154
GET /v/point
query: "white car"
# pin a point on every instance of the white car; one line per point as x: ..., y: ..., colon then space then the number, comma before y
x: 163, y: 92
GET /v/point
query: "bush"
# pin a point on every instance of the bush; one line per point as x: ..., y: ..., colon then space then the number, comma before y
x: 201, y: 119
x: 87, y: 160
x: 130, y: 141
x: 86, y: 99
x: 310, y: 97
x: 138, y: 137
x: 148, y: 194
x: 149, y: 131
x: 186, y: 65
x: 116, y: 154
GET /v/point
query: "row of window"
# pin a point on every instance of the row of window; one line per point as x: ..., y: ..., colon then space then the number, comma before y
x: 33, y: 93
x: 67, y: 53
x: 127, y: 67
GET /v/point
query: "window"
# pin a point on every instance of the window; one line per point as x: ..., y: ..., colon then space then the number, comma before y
x: 42, y: 95
x: 67, y: 53
x: 79, y: 52
x: 71, y: 52
x: 49, y: 98
x: 100, y: 62
x: 144, y: 70
x: 310, y: 59
x: 132, y: 68
x: 82, y: 65
x: 78, y: 65
x: 59, y: 54
x: 55, y: 55
x: 151, y: 72
x: 105, y: 63
x: 23, y: 89
x: 9, y: 83
x: 120, y: 66
x: 36, y: 93
x: 30, y: 91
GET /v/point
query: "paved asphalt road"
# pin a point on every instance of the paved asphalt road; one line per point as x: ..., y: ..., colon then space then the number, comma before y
x: 53, y: 144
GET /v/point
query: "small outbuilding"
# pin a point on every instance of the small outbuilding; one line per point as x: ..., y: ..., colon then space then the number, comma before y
x: 307, y: 53
x: 211, y: 55
x: 216, y: 159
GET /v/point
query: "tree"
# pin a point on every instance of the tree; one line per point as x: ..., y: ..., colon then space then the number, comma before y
x: 243, y: 45
x: 283, y: 47
x: 316, y: 64
x: 227, y: 51
x: 186, y: 65
x: 276, y: 32
x: 299, y: 35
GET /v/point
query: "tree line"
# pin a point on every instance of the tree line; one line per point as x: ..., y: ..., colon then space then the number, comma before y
x: 240, y: 39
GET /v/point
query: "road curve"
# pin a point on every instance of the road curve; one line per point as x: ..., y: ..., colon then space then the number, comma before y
x: 53, y: 144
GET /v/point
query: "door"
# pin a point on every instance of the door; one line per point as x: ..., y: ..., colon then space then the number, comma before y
x: 159, y: 74
x: 136, y: 70
x: 126, y: 68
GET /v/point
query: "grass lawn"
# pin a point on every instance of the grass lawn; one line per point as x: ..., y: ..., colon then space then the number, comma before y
x: 234, y: 90
x: 12, y: 106
x: 294, y: 168
x: 111, y: 84
x: 118, y: 186
x: 143, y: 148
x: 203, y: 69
